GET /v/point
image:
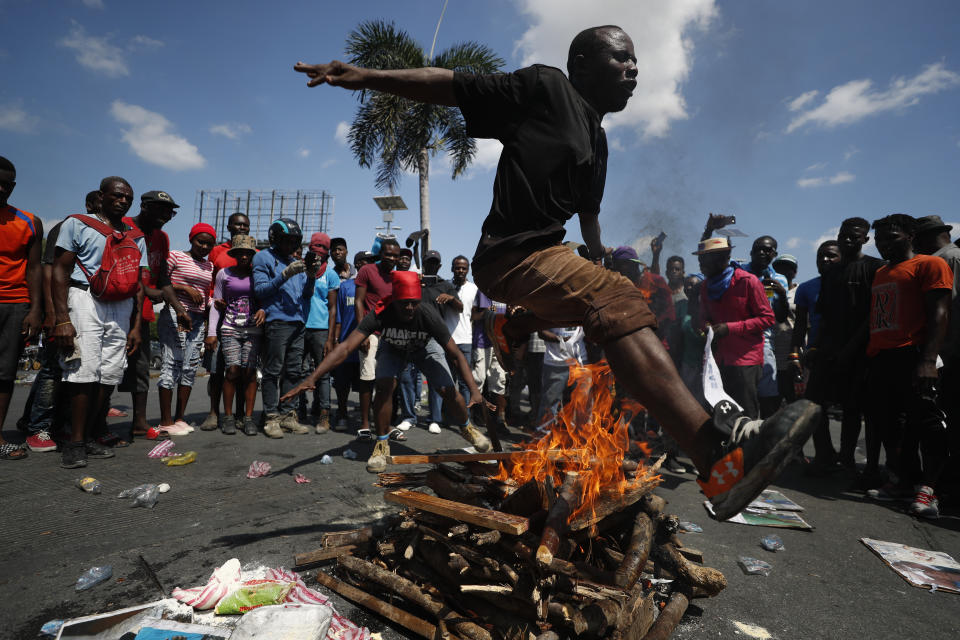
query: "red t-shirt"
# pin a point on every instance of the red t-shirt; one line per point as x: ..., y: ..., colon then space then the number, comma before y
x: 377, y: 286
x: 158, y: 248
x: 18, y: 229
x: 898, y: 315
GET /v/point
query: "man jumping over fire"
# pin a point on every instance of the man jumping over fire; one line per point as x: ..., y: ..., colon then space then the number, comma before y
x: 553, y: 166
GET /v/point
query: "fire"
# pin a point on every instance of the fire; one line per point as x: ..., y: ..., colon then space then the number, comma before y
x: 593, y: 428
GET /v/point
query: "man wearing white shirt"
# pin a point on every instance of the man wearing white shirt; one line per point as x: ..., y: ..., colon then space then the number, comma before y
x: 457, y: 313
x: 564, y: 348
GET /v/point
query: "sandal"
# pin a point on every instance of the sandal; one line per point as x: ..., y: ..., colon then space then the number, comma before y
x: 365, y: 434
x: 109, y: 439
x: 8, y: 451
x: 397, y: 436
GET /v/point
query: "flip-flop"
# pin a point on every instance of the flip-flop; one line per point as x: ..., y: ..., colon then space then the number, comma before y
x: 116, y: 413
x: 365, y: 434
x: 397, y: 436
x: 7, y: 449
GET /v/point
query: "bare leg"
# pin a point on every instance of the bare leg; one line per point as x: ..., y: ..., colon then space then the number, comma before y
x: 230, y: 388
x: 645, y: 369
x: 250, y: 392
x: 139, y: 422
x: 97, y: 421
x: 383, y: 404
x: 214, y: 389
x: 166, y: 400
x: 183, y: 396
x: 343, y: 395
x: 80, y: 396
x: 366, y: 391
x: 453, y: 405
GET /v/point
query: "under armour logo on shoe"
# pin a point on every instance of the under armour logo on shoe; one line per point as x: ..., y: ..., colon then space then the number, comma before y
x: 731, y: 471
x: 724, y: 407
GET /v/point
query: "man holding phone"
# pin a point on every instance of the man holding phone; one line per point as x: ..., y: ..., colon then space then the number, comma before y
x: 321, y: 320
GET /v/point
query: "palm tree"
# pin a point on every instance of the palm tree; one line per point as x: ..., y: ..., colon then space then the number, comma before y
x: 398, y: 134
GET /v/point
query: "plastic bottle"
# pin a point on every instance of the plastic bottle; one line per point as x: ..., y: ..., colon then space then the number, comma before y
x: 180, y: 459
x: 90, y: 485
x: 94, y: 576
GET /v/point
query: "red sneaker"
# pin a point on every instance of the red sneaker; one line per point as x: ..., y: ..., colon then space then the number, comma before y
x: 41, y: 441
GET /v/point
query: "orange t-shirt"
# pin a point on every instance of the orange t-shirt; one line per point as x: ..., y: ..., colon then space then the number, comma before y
x: 17, y: 229
x: 898, y: 316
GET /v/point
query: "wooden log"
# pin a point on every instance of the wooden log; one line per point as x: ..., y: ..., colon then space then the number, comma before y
x: 612, y: 501
x: 635, y: 556
x: 556, y: 565
x: 322, y: 555
x: 351, y: 536
x: 456, y: 562
x: 457, y: 491
x: 437, y: 458
x: 636, y: 616
x: 487, y: 518
x: 401, y: 479
x: 386, y: 548
x: 669, y: 617
x: 458, y: 530
x: 653, y: 505
x: 691, y: 554
x: 556, y: 523
x: 548, y: 635
x: 418, y: 625
x: 589, y: 589
x: 415, y: 595
x: 454, y: 474
x: 600, y: 616
x: 412, y: 545
x: 486, y: 588
x: 485, y: 537
x: 710, y: 580
x: 529, y: 498
x: 567, y: 615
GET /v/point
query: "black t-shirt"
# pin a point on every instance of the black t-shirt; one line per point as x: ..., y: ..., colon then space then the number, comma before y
x: 431, y: 291
x: 50, y: 248
x: 844, y: 302
x: 406, y: 337
x: 554, y: 160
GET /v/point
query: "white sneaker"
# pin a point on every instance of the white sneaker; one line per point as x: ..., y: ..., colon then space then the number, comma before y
x: 925, y: 503
x: 405, y: 425
x: 433, y: 428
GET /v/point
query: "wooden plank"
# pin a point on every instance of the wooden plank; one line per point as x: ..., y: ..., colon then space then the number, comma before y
x: 437, y: 458
x: 417, y: 625
x: 503, y: 522
x: 320, y: 555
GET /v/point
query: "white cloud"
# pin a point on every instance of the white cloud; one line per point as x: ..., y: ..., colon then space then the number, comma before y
x: 340, y: 135
x: 15, y: 118
x: 792, y: 243
x: 839, y: 178
x: 816, y: 167
x: 662, y: 36
x: 94, y: 4
x: 617, y: 145
x: 230, y: 130
x: 145, y: 42
x: 96, y: 54
x: 849, y: 153
x: 488, y: 154
x: 150, y: 137
x: 329, y: 162
x: 303, y: 153
x: 858, y: 99
x: 802, y: 100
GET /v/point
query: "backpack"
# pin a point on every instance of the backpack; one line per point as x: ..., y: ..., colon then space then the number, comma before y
x: 119, y: 275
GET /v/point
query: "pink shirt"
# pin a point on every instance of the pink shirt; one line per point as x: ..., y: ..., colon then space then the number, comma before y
x: 746, y: 311
x: 183, y: 269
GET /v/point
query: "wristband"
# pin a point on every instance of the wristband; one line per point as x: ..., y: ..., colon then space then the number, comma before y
x: 60, y: 324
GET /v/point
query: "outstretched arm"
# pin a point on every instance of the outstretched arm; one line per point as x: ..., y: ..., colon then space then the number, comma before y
x: 427, y: 84
x: 330, y: 362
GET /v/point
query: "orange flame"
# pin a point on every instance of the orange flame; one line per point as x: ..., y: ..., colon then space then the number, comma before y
x: 593, y: 427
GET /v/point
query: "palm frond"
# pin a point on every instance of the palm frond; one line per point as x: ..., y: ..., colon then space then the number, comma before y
x: 469, y: 57
x: 458, y: 144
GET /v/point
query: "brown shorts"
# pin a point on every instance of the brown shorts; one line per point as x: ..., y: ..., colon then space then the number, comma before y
x: 563, y: 289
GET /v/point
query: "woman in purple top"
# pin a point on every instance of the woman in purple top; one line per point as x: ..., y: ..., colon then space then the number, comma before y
x: 240, y: 324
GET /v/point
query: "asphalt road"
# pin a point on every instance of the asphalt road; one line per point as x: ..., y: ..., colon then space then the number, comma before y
x: 825, y: 584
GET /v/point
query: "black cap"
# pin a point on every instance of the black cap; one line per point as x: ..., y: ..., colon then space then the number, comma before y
x: 432, y: 255
x: 158, y: 197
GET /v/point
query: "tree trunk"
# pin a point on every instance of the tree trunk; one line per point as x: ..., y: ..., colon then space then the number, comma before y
x: 423, y: 168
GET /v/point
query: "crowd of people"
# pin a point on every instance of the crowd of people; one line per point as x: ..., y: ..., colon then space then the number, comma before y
x: 873, y: 338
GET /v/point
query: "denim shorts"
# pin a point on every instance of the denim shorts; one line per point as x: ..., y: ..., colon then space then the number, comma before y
x: 239, y: 348
x: 182, y: 350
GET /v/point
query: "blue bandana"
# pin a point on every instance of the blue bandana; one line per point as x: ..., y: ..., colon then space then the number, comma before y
x: 718, y: 285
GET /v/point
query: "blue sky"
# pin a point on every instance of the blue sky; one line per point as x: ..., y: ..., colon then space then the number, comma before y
x: 791, y: 116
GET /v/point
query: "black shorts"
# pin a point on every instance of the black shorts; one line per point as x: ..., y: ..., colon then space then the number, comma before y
x: 347, y: 376
x: 11, y: 338
x: 136, y: 378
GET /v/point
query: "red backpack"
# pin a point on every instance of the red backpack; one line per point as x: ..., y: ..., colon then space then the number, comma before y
x: 119, y: 275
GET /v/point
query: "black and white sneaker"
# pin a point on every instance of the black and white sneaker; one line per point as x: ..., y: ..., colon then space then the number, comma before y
x: 754, y: 452
x: 73, y: 456
x: 96, y: 450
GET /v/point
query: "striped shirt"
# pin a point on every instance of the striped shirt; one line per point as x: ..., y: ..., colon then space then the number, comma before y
x: 184, y: 269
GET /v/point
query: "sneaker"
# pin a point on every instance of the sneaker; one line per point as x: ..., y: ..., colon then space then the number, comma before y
x: 210, y: 423
x: 377, y: 463
x: 271, y: 427
x: 754, y: 452
x: 96, y: 450
x: 250, y: 426
x: 673, y: 465
x: 433, y: 428
x: 925, y: 504
x: 341, y: 425
x: 228, y: 425
x: 291, y: 423
x: 41, y: 441
x: 323, y: 422
x: 493, y: 324
x: 891, y: 492
x: 405, y: 425
x: 472, y: 435
x: 183, y: 425
x: 73, y: 456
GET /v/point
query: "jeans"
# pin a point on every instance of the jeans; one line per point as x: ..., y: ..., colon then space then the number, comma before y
x: 409, y: 386
x: 182, y: 350
x: 430, y: 360
x: 42, y: 402
x: 314, y: 341
x: 282, y: 364
x: 435, y: 399
x: 554, y: 383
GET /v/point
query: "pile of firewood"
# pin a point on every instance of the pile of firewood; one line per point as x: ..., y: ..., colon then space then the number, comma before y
x: 450, y: 566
